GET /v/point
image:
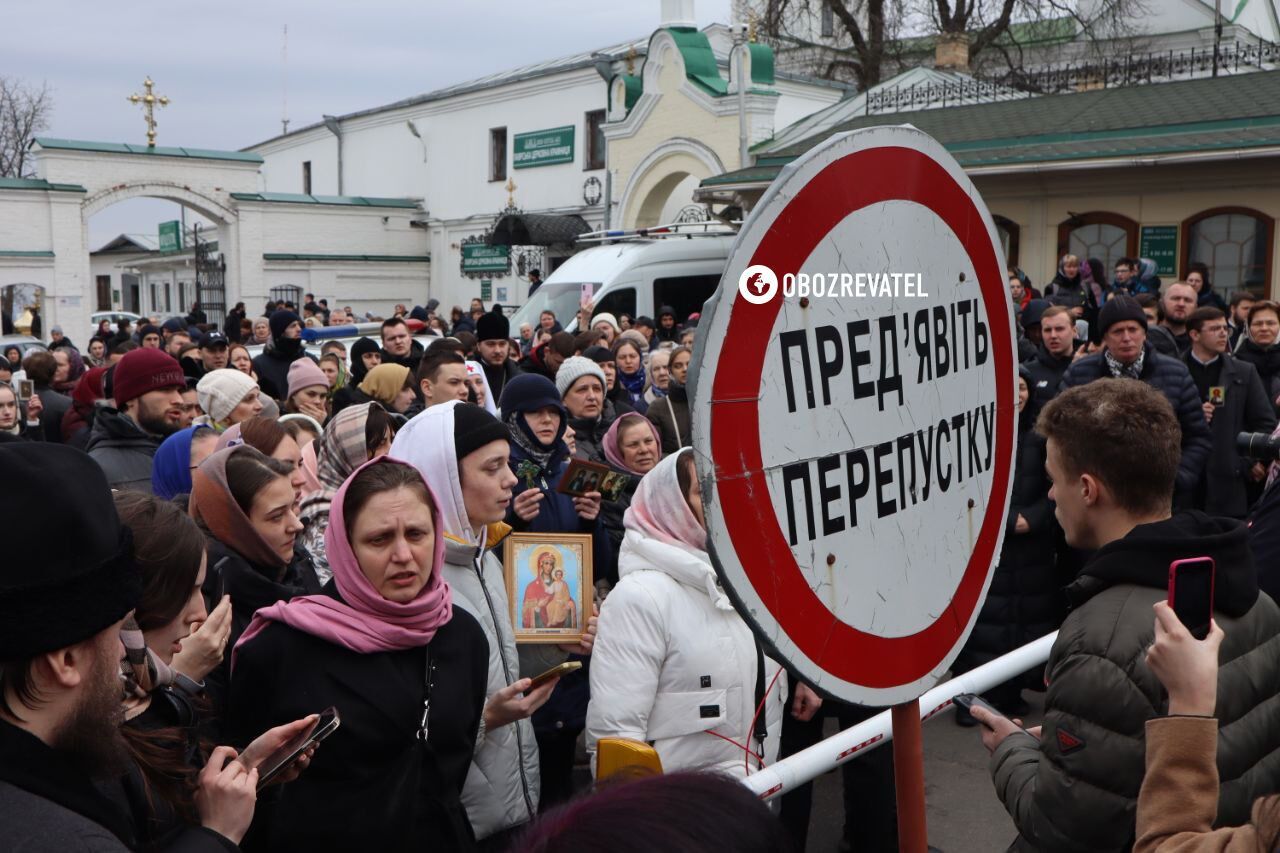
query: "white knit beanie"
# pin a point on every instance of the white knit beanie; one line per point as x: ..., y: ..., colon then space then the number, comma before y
x: 573, y: 369
x: 220, y: 391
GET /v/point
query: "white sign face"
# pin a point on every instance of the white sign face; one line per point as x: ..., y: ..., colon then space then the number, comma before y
x: 854, y: 414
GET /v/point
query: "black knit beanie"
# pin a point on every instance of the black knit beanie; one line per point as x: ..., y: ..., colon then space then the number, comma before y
x: 473, y: 428
x: 71, y: 573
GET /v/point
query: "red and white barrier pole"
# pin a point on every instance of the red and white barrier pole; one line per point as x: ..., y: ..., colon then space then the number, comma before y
x: 807, y: 765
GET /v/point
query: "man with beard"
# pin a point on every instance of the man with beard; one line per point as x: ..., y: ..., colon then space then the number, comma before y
x: 1171, y: 337
x: 285, y: 347
x: 147, y: 386
x: 492, y: 331
x: 398, y: 346
x: 60, y: 650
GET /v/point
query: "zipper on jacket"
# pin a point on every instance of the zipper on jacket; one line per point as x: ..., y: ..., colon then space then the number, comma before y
x: 506, y: 673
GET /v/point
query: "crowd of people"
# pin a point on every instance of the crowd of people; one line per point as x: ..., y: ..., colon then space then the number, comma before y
x: 286, y: 533
x: 231, y: 545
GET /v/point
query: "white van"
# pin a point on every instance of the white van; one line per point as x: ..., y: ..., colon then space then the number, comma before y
x: 633, y: 277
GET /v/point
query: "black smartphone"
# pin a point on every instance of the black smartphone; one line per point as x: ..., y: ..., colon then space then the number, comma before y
x: 969, y: 701
x: 280, y: 760
x: 1191, y: 593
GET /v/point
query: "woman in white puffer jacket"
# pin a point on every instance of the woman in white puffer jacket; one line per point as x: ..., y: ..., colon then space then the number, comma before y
x: 674, y: 664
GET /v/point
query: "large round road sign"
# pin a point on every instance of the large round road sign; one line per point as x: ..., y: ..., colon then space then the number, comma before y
x: 854, y: 414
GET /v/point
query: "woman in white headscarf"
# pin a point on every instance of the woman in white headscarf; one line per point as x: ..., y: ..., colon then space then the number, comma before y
x: 674, y: 663
x: 479, y: 384
x: 462, y: 451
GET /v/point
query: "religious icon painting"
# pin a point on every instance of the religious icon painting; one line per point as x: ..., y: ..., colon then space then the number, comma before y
x: 582, y: 477
x: 550, y: 590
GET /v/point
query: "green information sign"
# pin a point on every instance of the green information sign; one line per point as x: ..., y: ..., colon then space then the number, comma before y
x: 486, y: 289
x: 171, y: 236
x: 543, y: 147
x: 483, y: 258
x: 1160, y: 244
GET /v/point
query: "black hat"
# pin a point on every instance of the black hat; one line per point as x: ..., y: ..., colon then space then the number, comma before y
x: 281, y: 320
x: 1119, y: 308
x: 71, y: 573
x: 213, y: 339
x: 643, y: 321
x: 599, y: 354
x: 174, y: 324
x: 473, y: 428
x: 493, y: 327
x: 1034, y: 312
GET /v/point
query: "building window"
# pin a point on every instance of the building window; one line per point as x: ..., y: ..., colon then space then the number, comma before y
x: 1234, y: 243
x: 287, y: 293
x: 1008, y: 231
x: 828, y: 22
x: 595, y: 140
x: 306, y: 177
x: 1105, y: 236
x: 498, y: 154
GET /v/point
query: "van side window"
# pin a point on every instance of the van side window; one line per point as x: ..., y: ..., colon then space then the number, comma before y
x: 618, y: 302
x: 685, y: 294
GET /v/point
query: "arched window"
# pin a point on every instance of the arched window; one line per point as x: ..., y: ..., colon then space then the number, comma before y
x: 1235, y: 244
x: 1105, y: 236
x: 1008, y: 231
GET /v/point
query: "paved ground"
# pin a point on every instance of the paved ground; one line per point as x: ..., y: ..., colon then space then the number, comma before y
x: 963, y: 812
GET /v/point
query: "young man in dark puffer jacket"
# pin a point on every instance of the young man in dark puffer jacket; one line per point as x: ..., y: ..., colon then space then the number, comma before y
x: 1072, y: 787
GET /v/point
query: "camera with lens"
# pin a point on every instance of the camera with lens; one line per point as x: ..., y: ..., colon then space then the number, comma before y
x: 1260, y: 446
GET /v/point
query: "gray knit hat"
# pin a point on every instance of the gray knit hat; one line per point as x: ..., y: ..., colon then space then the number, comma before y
x: 220, y: 391
x: 573, y: 369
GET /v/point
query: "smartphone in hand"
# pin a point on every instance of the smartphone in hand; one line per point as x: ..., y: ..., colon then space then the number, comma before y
x: 969, y: 701
x: 280, y: 760
x: 1191, y: 593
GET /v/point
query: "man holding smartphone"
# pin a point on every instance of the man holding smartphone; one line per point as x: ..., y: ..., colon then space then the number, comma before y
x: 1112, y: 455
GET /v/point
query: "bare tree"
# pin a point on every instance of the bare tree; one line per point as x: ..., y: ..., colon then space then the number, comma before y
x: 24, y: 112
x: 864, y: 41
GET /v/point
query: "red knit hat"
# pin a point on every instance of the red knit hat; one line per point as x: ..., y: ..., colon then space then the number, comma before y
x: 143, y: 370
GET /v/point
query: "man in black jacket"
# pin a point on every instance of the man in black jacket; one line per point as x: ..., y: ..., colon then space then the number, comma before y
x: 286, y: 347
x: 147, y: 387
x: 1234, y: 401
x: 493, y: 346
x: 1072, y: 785
x: 398, y: 345
x: 1170, y: 337
x: 1053, y: 357
x: 1128, y: 354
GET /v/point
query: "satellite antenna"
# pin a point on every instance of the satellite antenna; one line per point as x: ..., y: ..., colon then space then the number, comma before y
x: 284, y: 74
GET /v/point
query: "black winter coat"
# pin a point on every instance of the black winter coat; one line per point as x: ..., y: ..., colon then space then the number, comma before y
x: 672, y: 418
x: 1046, y: 371
x: 56, y: 406
x: 122, y: 450
x: 499, y: 375
x: 272, y: 370
x: 1267, y: 362
x: 374, y: 784
x: 1171, y: 378
x: 251, y: 588
x: 1075, y: 789
x: 1025, y: 600
x: 1245, y: 409
x: 589, y: 433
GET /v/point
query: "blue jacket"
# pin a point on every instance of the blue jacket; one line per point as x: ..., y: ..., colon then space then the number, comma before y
x: 1170, y: 377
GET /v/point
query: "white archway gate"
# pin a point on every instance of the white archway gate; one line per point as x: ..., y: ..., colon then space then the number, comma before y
x: 332, y: 244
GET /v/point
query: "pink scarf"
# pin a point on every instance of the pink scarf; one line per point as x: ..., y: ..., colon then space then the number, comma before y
x: 613, y: 435
x: 363, y: 620
x: 659, y: 510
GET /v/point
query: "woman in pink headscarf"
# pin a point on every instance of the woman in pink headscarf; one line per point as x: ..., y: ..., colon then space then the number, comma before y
x: 406, y: 671
x: 673, y: 662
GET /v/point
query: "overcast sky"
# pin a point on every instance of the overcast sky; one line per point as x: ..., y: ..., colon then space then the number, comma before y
x: 221, y: 63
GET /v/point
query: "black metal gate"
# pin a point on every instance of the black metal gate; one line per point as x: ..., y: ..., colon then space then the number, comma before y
x: 211, y: 280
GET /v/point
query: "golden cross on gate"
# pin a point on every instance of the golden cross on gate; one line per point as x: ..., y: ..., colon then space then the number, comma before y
x: 149, y: 101
x: 511, y: 188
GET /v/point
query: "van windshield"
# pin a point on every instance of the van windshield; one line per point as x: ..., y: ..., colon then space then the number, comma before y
x: 561, y: 298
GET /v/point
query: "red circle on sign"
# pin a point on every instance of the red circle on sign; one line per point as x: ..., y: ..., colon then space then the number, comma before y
x: 847, y: 185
